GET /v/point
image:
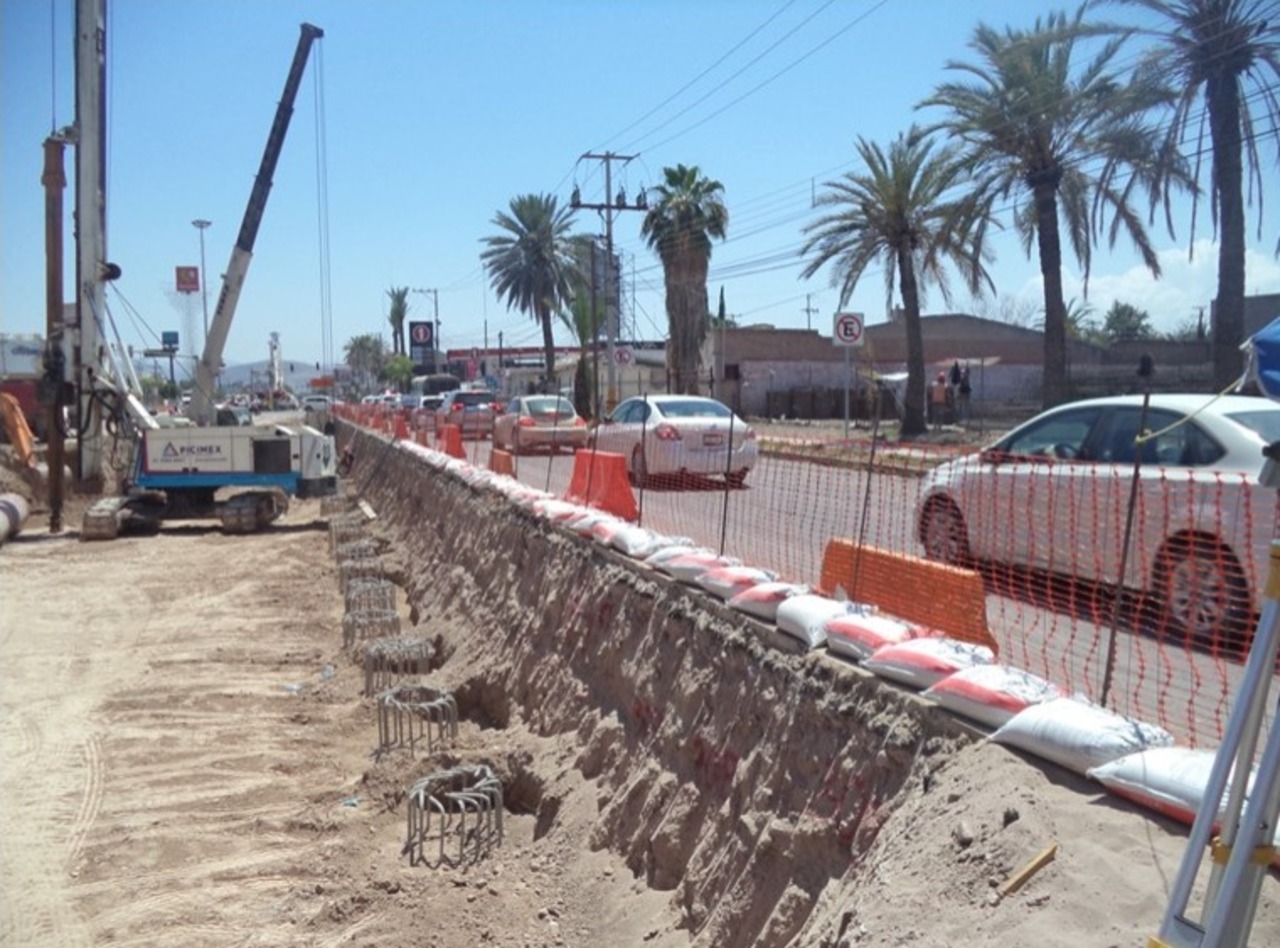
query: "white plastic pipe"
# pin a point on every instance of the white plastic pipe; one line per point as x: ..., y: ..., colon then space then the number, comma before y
x: 13, y: 514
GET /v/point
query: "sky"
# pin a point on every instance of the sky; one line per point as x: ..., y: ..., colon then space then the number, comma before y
x: 417, y: 122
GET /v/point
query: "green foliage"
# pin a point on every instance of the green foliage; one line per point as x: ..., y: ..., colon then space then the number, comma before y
x: 1068, y: 146
x: 688, y: 213
x: 531, y: 263
x: 398, y: 370
x: 399, y: 296
x: 902, y: 218
x: 1125, y: 322
x: 584, y: 388
x: 366, y: 354
x: 1223, y: 58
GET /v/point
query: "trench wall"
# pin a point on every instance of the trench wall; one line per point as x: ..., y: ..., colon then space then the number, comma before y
x: 744, y: 780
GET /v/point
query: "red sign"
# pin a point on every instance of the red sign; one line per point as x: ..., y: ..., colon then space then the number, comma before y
x: 187, y: 279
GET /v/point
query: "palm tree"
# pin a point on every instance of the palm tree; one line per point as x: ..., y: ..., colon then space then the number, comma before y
x: 366, y: 355
x: 531, y: 264
x: 1229, y: 52
x: 399, y: 309
x: 900, y: 215
x: 1077, y: 146
x: 688, y: 213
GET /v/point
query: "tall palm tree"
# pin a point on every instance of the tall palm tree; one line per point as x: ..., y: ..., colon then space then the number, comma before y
x: 902, y: 215
x: 399, y: 309
x: 584, y: 317
x: 366, y: 356
x: 1227, y: 51
x: 688, y: 212
x: 1072, y: 139
x: 531, y: 263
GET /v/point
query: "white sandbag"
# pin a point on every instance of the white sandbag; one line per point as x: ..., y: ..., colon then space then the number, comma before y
x: 991, y: 694
x: 636, y: 542
x: 1079, y: 735
x: 859, y: 636
x: 556, y: 510
x: 604, y: 530
x: 583, y: 523
x: 804, y: 617
x: 727, y: 581
x: 762, y: 600
x: 658, y: 557
x: 1168, y: 780
x: 689, y: 567
x: 919, y: 663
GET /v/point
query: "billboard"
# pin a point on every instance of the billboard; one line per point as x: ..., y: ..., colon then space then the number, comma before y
x: 187, y: 279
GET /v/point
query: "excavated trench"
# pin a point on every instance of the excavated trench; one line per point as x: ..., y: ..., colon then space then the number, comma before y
x: 746, y: 781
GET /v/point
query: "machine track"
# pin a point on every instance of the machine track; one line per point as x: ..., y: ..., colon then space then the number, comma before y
x: 251, y: 511
x: 103, y: 519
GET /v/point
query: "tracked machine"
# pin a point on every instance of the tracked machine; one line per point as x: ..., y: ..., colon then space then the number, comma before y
x: 242, y: 476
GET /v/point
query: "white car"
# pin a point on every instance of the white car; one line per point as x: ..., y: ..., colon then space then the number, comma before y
x: 1053, y: 495
x: 317, y: 403
x: 678, y: 434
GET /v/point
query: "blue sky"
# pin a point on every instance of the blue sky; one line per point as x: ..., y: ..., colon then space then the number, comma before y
x: 435, y: 114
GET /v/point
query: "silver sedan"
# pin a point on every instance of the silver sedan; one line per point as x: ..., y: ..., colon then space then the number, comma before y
x: 679, y: 434
x: 1054, y: 495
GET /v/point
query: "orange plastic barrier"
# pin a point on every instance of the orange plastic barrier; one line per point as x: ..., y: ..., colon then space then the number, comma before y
x: 600, y: 480
x: 946, y: 598
x: 401, y: 429
x: 501, y: 462
x: 449, y: 440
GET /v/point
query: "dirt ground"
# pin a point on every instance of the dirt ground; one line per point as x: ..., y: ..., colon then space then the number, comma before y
x: 188, y: 760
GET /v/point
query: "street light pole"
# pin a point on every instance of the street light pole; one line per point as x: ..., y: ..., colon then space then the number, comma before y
x: 201, y: 224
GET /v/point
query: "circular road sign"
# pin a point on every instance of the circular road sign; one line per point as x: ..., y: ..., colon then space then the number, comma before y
x: 420, y: 333
x: 623, y: 355
x: 848, y: 330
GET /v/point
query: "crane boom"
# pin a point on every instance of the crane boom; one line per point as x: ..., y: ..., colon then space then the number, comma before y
x: 202, y: 406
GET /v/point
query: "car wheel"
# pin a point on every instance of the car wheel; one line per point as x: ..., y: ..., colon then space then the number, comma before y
x: 943, y: 534
x: 639, y: 468
x: 737, y: 478
x: 1203, y: 595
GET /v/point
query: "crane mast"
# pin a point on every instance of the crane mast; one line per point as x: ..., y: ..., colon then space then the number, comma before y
x: 202, y: 402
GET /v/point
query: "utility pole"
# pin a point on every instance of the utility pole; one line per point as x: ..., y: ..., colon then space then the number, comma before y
x: 808, y: 312
x: 611, y: 298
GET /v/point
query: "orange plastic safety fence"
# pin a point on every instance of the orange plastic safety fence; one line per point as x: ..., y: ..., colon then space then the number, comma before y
x: 1044, y: 535
x: 946, y: 598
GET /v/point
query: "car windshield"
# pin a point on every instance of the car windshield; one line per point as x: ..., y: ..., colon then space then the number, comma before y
x: 472, y: 399
x: 1266, y: 424
x: 694, y: 408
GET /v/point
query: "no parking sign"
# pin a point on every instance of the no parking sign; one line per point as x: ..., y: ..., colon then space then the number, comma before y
x: 848, y: 329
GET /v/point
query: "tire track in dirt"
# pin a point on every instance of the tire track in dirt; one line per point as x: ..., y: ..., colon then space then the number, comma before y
x: 90, y: 799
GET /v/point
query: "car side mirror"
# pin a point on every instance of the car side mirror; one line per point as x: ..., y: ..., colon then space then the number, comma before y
x: 994, y: 456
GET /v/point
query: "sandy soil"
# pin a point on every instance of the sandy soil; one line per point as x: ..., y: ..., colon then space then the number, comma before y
x: 188, y: 760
